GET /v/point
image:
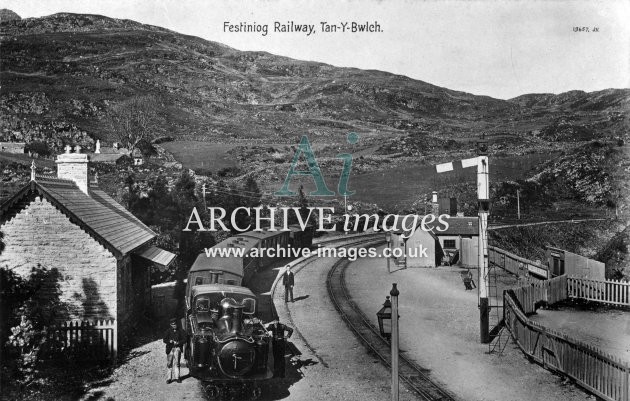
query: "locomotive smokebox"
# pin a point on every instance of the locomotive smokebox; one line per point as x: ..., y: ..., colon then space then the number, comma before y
x: 236, y: 358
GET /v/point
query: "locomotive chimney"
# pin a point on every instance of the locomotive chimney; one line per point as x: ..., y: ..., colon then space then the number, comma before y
x: 237, y: 319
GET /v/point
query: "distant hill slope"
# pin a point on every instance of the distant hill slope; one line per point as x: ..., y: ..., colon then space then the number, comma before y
x: 8, y: 15
x: 59, y: 74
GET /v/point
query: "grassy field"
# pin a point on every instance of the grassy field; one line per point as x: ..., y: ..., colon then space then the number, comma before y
x: 207, y: 155
x: 398, y: 187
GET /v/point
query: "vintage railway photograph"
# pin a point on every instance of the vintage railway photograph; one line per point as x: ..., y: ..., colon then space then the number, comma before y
x: 314, y: 200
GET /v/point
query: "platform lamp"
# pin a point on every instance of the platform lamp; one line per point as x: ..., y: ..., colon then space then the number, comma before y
x: 384, y: 316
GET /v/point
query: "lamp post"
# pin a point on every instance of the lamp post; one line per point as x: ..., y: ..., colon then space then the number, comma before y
x: 384, y: 316
x: 388, y: 236
x: 394, y: 294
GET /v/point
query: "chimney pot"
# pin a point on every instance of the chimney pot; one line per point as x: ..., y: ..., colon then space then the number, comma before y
x: 68, y: 148
x: 77, y: 149
x: 435, y: 206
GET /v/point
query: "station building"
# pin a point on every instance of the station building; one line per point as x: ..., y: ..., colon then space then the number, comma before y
x: 102, y: 252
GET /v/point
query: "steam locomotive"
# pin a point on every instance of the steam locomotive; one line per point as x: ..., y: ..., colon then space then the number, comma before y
x: 229, y: 349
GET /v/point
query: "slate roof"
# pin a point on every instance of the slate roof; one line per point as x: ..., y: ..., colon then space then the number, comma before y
x: 265, y: 233
x: 105, y: 157
x: 156, y: 255
x: 98, y: 214
x: 461, y: 226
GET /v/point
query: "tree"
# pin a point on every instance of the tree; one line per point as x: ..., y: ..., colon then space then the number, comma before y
x: 303, y: 204
x: 135, y: 120
x: 251, y: 193
x: 1, y: 242
x: 39, y: 147
x: 303, y: 208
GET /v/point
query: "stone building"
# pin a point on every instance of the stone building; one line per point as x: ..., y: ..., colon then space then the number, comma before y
x: 12, y: 147
x: 102, y: 252
x: 462, y: 235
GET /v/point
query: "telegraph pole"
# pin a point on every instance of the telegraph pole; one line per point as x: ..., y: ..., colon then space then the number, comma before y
x: 518, y: 204
x: 203, y: 188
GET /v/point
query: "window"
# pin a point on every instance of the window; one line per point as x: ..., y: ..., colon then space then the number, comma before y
x: 449, y: 244
x: 249, y: 305
x: 203, y: 305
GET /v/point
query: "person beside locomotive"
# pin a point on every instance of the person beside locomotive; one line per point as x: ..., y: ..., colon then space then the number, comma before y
x: 278, y: 344
x: 174, y: 338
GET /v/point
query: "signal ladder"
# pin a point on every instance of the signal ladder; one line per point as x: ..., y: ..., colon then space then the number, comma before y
x: 499, y: 336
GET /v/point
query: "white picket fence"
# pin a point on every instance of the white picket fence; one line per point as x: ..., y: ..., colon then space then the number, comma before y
x: 607, y: 291
x: 83, y: 340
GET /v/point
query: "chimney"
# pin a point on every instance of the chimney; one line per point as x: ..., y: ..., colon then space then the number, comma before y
x: 435, y: 206
x: 98, y: 146
x: 74, y: 167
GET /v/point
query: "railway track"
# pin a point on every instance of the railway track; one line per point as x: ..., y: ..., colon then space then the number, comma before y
x: 415, y: 376
x: 412, y: 374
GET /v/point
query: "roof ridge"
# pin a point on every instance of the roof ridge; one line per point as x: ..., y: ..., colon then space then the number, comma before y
x: 52, y: 178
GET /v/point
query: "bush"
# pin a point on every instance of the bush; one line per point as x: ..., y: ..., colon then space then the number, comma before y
x: 41, y: 148
x: 29, y: 307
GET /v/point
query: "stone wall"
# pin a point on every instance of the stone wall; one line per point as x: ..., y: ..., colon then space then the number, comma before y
x: 41, y: 235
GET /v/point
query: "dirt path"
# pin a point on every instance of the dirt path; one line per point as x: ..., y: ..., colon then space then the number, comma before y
x: 341, y: 368
x: 439, y: 329
x: 142, y: 376
x: 331, y: 364
x: 607, y: 329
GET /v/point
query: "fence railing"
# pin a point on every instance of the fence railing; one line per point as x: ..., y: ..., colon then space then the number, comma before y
x: 516, y: 264
x: 82, y: 340
x: 541, y: 292
x: 604, y: 375
x: 608, y: 291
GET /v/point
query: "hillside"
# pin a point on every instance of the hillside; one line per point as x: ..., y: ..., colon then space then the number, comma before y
x: 60, y: 74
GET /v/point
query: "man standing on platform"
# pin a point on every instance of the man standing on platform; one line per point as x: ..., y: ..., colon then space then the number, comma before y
x: 278, y: 331
x: 174, y: 338
x: 288, y: 282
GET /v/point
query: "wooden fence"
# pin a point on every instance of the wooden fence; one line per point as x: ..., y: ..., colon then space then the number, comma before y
x: 602, y: 374
x: 542, y: 292
x: 516, y: 264
x: 82, y: 341
x: 607, y: 291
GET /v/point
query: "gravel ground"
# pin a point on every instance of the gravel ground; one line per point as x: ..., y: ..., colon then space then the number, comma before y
x: 340, y: 366
x: 439, y: 329
x: 608, y: 329
x: 331, y: 363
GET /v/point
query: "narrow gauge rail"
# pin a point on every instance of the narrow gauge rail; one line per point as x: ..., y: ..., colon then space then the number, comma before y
x: 409, y: 372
